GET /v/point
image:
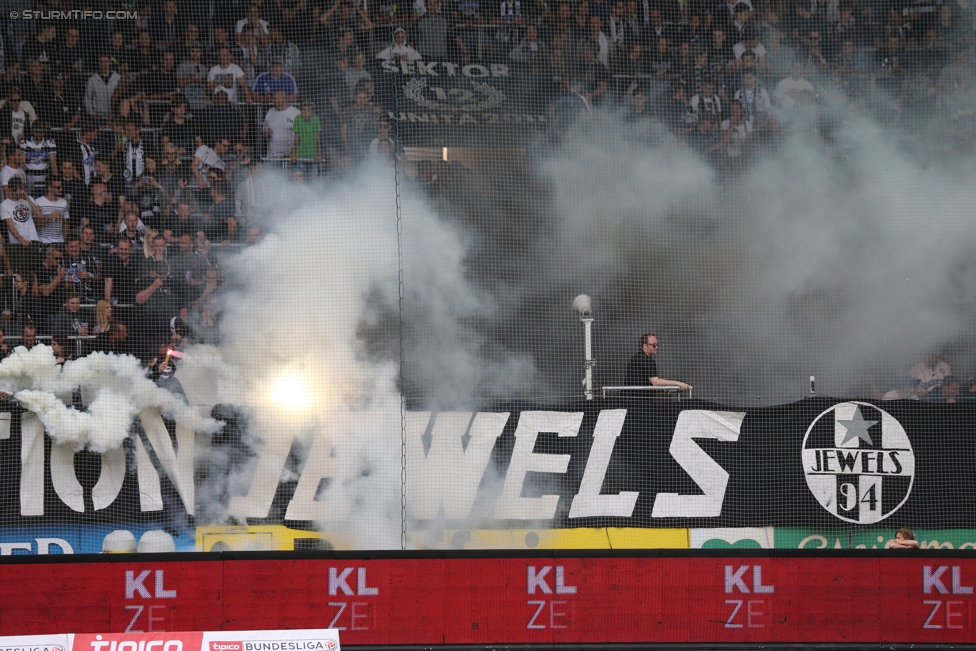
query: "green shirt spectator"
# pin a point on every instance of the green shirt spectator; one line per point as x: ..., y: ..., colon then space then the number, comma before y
x: 307, y: 127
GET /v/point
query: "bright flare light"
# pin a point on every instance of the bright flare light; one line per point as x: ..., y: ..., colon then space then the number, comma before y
x: 291, y: 393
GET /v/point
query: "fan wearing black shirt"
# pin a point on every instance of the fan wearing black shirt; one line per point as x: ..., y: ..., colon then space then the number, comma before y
x: 156, y: 294
x: 642, y: 369
x: 48, y: 284
x: 122, y: 272
x: 219, y: 224
x: 101, y: 213
x: 35, y: 85
x: 42, y: 47
x: 160, y: 82
x: 59, y: 108
x: 142, y: 60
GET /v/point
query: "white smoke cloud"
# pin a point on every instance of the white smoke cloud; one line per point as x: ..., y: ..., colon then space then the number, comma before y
x: 807, y: 265
x: 311, y: 341
x: 812, y: 263
x: 116, y: 385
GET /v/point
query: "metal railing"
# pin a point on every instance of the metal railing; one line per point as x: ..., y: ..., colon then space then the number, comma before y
x: 648, y: 389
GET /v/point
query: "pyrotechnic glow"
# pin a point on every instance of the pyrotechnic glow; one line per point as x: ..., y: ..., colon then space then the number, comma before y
x: 292, y: 393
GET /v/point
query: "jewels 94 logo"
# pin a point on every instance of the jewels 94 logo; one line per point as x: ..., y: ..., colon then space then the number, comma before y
x: 858, y: 462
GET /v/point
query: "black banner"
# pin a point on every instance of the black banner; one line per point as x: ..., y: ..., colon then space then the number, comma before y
x: 817, y: 462
x: 444, y: 102
x: 619, y: 463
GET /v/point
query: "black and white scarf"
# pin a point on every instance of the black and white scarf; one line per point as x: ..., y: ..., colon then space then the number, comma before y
x: 617, y: 29
x: 88, y: 161
x: 135, y: 164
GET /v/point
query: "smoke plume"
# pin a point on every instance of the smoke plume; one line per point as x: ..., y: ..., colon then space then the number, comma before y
x: 116, y: 388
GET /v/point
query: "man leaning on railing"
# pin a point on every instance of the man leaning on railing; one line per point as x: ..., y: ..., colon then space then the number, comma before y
x: 642, y: 369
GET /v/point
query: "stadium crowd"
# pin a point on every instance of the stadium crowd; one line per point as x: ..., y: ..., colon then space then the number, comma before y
x: 130, y: 148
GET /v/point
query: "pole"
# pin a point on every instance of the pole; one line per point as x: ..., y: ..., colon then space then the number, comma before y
x: 589, y: 362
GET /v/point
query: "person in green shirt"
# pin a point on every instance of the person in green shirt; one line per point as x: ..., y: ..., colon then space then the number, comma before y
x: 308, y: 146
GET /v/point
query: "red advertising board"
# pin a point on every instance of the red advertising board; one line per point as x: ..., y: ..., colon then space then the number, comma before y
x: 910, y: 599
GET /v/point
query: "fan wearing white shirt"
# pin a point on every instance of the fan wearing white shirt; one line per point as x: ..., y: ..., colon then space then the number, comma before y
x: 254, y: 22
x: 787, y: 90
x: 17, y: 213
x: 279, y: 127
x: 13, y: 168
x: 750, y: 43
x: 41, y: 157
x: 52, y: 220
x: 206, y: 159
x: 399, y: 50
x: 229, y: 75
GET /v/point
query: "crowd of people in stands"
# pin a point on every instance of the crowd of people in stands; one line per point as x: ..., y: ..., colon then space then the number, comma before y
x: 129, y: 148
x: 733, y: 83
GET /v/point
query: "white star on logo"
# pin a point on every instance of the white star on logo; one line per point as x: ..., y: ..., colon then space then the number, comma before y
x: 858, y: 428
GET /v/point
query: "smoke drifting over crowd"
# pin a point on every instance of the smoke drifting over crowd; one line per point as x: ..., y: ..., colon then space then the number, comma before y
x: 836, y: 262
x: 812, y: 263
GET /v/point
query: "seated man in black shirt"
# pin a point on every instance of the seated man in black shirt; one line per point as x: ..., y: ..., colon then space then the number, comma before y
x: 642, y: 369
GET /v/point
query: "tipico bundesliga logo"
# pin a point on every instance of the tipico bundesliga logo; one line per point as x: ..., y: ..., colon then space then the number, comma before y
x: 858, y: 462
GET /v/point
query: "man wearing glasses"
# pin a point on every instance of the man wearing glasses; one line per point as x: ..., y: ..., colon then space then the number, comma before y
x: 642, y: 369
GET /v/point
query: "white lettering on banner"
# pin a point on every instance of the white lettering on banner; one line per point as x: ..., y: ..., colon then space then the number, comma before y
x: 537, y: 579
x: 733, y: 580
x: 710, y: 477
x: 31, y: 465
x: 66, y: 484
x: 467, y: 118
x: 319, y: 466
x: 560, y: 614
x: 177, y: 464
x: 932, y: 579
x: 956, y: 615
x: 359, y: 618
x: 43, y: 546
x: 448, y: 475
x: 361, y: 588
x: 450, y: 69
x: 752, y: 618
x: 264, y: 483
x: 443, y: 480
x: 511, y: 505
x: 337, y: 582
x: 135, y: 584
x: 588, y: 501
